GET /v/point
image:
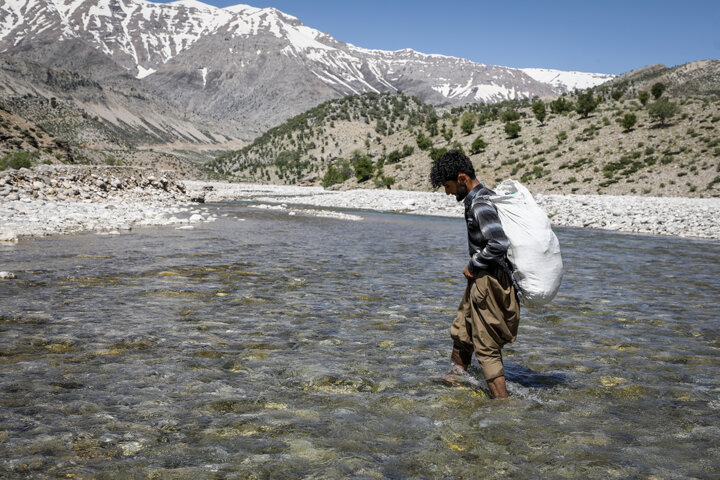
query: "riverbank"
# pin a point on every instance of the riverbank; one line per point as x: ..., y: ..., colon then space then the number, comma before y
x: 52, y: 200
x: 683, y: 217
x: 66, y: 199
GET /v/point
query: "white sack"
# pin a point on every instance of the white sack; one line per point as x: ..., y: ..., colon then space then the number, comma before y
x: 534, y: 249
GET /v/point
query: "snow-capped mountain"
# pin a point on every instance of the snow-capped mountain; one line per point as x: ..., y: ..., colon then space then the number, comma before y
x: 241, y: 62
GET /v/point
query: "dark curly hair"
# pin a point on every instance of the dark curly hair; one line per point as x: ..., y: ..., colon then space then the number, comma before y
x: 449, y: 166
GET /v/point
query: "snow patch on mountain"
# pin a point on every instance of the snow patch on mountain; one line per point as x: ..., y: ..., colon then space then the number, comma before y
x: 144, y: 72
x: 567, y: 80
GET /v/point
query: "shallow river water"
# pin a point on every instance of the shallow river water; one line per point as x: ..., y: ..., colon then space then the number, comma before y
x: 265, y: 345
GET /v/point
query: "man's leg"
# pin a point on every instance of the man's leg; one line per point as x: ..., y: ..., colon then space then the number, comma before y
x: 461, y: 357
x: 497, y: 387
x: 494, y: 314
x: 461, y: 333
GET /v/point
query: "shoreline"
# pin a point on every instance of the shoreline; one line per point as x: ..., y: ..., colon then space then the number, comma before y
x: 53, y: 200
x: 670, y: 216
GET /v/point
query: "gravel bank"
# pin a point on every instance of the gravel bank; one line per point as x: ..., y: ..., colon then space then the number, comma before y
x: 684, y: 217
x: 66, y: 199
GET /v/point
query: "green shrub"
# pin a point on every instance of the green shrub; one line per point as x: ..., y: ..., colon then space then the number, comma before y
x: 364, y: 168
x: 337, y: 173
x: 510, y: 115
x: 628, y: 121
x: 663, y: 110
x: 561, y: 105
x: 586, y: 103
x: 539, y: 111
x: 388, y: 181
x: 657, y: 90
x: 423, y: 142
x: 478, y: 145
x: 16, y: 160
x: 468, y: 123
x: 436, y: 153
x: 512, y: 129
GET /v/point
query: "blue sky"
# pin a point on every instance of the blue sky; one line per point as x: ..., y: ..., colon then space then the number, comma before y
x: 592, y: 36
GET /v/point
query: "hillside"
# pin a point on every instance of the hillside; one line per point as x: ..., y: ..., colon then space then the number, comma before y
x: 378, y: 140
x: 53, y: 115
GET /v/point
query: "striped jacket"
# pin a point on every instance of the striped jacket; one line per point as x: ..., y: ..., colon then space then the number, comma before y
x: 487, y: 241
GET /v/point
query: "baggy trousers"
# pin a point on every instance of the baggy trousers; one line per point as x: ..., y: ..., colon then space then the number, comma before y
x: 487, y: 319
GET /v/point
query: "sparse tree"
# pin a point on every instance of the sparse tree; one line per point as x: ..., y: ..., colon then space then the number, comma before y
x: 510, y: 115
x: 363, y: 168
x: 643, y: 96
x: 512, y: 129
x: 388, y: 181
x: 448, y: 134
x: 478, y: 145
x: 468, y: 123
x: 586, y: 103
x: 663, y: 109
x: 616, y: 94
x: 423, y: 142
x: 657, y: 90
x: 628, y: 121
x: 561, y: 105
x: 540, y: 111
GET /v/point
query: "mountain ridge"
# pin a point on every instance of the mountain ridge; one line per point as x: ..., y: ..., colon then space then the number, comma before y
x: 258, y: 66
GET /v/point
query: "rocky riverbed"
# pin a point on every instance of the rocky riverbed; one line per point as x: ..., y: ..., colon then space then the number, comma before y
x: 65, y: 199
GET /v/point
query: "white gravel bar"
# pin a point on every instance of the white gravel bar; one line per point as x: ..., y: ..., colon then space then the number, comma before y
x: 683, y: 217
x: 58, y: 200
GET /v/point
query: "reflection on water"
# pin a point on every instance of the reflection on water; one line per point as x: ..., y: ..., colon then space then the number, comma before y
x: 294, y: 346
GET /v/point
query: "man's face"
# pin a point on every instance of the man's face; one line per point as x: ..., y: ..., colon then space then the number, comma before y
x: 453, y: 187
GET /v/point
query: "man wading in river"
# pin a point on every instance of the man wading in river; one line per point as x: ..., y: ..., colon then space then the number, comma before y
x: 489, y: 312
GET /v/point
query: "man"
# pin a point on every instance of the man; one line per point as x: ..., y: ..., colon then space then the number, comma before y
x: 489, y: 312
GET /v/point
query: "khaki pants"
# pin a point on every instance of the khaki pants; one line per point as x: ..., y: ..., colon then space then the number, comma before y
x: 487, y: 319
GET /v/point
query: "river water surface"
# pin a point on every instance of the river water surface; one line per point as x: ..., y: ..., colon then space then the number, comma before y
x: 265, y: 345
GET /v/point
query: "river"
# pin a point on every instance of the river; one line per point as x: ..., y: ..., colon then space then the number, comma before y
x: 265, y: 345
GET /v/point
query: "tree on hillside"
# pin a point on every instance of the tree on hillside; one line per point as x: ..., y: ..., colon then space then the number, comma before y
x: 337, y: 173
x: 540, y: 111
x: 510, y: 115
x: 643, y: 96
x: 478, y: 145
x: 467, y: 123
x: 663, y: 109
x: 628, y: 121
x: 657, y: 90
x: 512, y: 129
x: 586, y: 103
x: 431, y: 124
x: 561, y: 105
x: 423, y: 142
x: 616, y: 94
x: 448, y: 134
x: 363, y: 168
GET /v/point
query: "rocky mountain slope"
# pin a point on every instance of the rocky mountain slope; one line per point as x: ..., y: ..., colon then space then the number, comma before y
x: 384, y: 140
x: 256, y: 66
x: 87, y: 122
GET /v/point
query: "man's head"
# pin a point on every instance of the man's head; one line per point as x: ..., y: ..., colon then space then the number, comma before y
x: 454, y: 171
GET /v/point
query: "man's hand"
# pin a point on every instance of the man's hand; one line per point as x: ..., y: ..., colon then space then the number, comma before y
x: 467, y: 274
